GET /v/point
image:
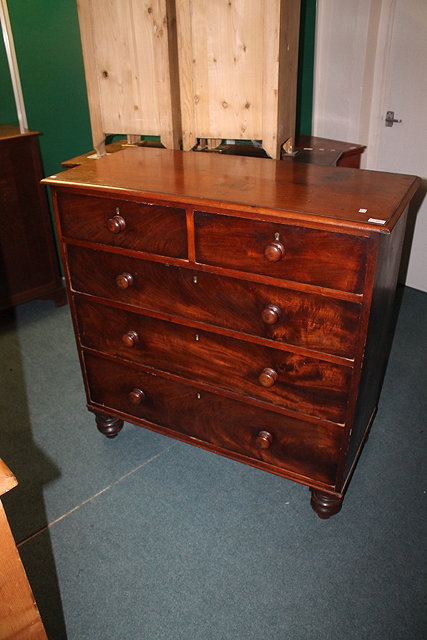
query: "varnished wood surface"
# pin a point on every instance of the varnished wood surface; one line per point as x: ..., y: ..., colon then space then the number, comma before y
x: 8, y: 131
x: 306, y: 322
x: 304, y: 385
x: 309, y: 149
x: 19, y: 615
x: 305, y: 448
x: 309, y: 321
x: 7, y: 479
x: 156, y: 229
x: 309, y: 256
x: 29, y: 265
x: 304, y: 191
x: 228, y: 301
x: 313, y: 149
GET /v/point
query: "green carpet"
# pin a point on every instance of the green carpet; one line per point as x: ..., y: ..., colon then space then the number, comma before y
x: 152, y: 539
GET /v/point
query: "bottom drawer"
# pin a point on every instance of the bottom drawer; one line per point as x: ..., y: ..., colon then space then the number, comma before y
x: 233, y: 428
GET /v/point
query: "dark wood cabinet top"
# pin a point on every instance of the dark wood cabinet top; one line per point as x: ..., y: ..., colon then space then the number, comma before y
x: 8, y: 131
x: 346, y: 197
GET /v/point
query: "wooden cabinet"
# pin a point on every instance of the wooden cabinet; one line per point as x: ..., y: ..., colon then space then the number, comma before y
x: 238, y: 304
x: 29, y: 265
x: 184, y: 69
x: 131, y: 66
x: 238, y: 70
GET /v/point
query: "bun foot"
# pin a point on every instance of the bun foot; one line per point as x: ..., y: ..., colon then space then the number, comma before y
x: 325, y: 504
x: 108, y: 425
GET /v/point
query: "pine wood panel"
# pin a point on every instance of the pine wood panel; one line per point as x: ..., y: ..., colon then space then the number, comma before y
x: 237, y: 66
x: 129, y: 51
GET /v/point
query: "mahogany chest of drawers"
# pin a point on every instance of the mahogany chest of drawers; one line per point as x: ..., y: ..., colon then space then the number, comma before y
x: 238, y: 304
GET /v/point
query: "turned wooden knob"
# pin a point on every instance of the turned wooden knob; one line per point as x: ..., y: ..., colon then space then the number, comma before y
x: 268, y: 377
x: 271, y: 314
x: 116, y: 224
x: 263, y: 439
x: 130, y: 338
x: 124, y: 280
x: 274, y: 251
x: 137, y: 396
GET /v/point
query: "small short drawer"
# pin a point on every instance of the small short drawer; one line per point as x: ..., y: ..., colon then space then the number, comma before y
x: 310, y: 450
x: 332, y: 260
x: 144, y: 227
x: 289, y: 317
x: 300, y: 384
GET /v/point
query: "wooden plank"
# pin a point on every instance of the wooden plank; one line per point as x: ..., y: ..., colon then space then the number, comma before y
x: 188, y: 93
x: 128, y: 46
x: 19, y: 615
x: 88, y: 48
x: 288, y: 71
x: 168, y: 92
x: 271, y: 27
x: 7, y: 479
x: 238, y: 68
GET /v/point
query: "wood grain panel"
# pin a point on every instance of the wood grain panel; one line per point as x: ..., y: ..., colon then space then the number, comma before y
x: 237, y: 65
x: 309, y: 256
x: 221, y: 424
x: 129, y: 49
x: 297, y: 192
x: 307, y: 320
x: 146, y: 227
x: 307, y: 385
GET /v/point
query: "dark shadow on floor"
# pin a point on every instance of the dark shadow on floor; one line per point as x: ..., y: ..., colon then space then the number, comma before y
x: 24, y: 505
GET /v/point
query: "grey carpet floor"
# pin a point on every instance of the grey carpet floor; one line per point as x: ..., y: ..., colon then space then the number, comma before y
x: 146, y: 538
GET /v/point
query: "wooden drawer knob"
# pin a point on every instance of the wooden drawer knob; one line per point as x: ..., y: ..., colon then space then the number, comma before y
x: 263, y: 439
x: 271, y: 314
x: 268, y: 377
x: 130, y: 338
x: 274, y: 251
x: 137, y: 396
x: 116, y: 224
x: 124, y: 280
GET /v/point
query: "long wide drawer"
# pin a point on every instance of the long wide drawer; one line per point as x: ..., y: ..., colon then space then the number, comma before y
x: 301, y: 384
x: 227, y: 426
x: 334, y: 260
x: 292, y: 317
x: 152, y: 228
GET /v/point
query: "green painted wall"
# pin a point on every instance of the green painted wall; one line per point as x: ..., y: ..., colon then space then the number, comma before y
x: 7, y: 103
x: 306, y: 67
x: 48, y: 50
x: 47, y: 43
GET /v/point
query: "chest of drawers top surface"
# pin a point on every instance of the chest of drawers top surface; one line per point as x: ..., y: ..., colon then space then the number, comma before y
x: 348, y: 197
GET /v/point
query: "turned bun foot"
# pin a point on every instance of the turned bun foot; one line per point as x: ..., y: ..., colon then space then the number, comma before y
x: 108, y: 425
x: 325, y: 504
